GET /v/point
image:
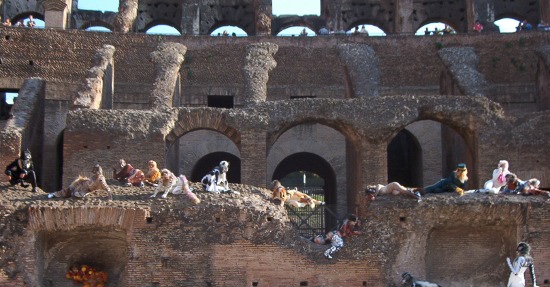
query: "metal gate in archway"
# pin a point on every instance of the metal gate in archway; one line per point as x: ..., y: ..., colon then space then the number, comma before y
x: 312, y: 221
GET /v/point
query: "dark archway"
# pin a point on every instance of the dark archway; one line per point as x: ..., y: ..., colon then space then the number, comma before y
x: 209, y: 161
x: 405, y: 160
x: 309, y: 162
x: 312, y: 163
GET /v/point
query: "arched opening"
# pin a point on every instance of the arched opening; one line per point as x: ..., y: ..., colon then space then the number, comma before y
x: 366, y: 30
x: 103, y: 249
x: 7, y: 99
x: 209, y: 161
x: 435, y: 28
x: 296, y: 31
x: 162, y: 29
x: 434, y: 150
x: 233, y: 31
x: 202, y: 150
x: 507, y: 25
x: 94, y: 5
x: 293, y: 7
x: 98, y: 29
x: 29, y: 20
x: 405, y: 160
x: 300, y: 167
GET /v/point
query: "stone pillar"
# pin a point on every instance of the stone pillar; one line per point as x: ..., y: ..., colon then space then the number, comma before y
x: 544, y: 10
x: 253, y: 159
x: 126, y: 17
x: 543, y: 78
x: 362, y: 67
x: 94, y: 92
x: 403, y: 20
x: 484, y: 11
x: 331, y: 11
x: 190, y: 17
x: 56, y: 13
x: 167, y: 59
x: 263, y: 17
x: 373, y: 169
x: 258, y: 62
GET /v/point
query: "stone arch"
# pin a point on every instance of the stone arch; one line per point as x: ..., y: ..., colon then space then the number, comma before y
x: 346, y: 162
x: 159, y: 13
x: 443, y: 20
x: 509, y: 14
x: 206, y: 163
x: 25, y: 15
x: 212, y: 119
x: 518, y: 10
x: 201, y: 150
x: 236, y: 13
x: 103, y: 249
x: 223, y: 24
x: 374, y: 22
x: 159, y: 22
x: 312, y: 22
x: 313, y: 163
x: 96, y: 23
x: 458, y: 146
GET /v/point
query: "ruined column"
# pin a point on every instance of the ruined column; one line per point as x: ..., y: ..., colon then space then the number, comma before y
x: 190, y: 17
x: 167, y: 59
x: 461, y: 63
x: 263, y: 17
x: 483, y: 11
x: 55, y: 13
x: 253, y: 159
x: 543, y: 78
x: 127, y: 14
x: 258, y: 62
x: 94, y: 91
x: 362, y: 69
x: 544, y: 10
x: 403, y: 20
x: 331, y: 11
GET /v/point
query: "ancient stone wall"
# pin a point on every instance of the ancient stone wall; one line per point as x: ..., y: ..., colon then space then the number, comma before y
x: 246, y: 240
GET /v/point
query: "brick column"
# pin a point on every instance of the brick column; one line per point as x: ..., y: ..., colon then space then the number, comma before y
x: 372, y: 169
x: 253, y: 158
x: 55, y: 13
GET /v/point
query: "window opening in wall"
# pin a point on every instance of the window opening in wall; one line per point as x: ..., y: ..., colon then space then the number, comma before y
x: 293, y: 7
x: 7, y: 99
x: 227, y: 31
x: 98, y: 29
x: 296, y: 31
x: 28, y: 20
x: 435, y: 28
x: 220, y: 102
x: 508, y: 25
x: 163, y: 30
x: 366, y: 30
x: 94, y: 5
